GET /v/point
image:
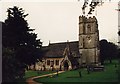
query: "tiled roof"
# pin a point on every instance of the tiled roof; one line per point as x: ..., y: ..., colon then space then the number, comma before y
x: 55, y: 50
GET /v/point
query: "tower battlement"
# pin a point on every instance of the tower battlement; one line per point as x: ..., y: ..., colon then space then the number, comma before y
x: 87, y: 19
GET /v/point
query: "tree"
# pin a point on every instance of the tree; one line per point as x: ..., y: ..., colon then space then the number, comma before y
x: 119, y: 60
x: 108, y: 51
x: 18, y: 37
x: 17, y: 34
x: 113, y: 51
x: 12, y: 68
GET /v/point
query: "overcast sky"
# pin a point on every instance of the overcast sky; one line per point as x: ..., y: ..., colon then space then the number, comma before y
x: 58, y: 21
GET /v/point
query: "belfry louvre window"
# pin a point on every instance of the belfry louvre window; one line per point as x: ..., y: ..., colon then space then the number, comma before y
x: 57, y: 62
x: 89, y: 28
x: 48, y: 62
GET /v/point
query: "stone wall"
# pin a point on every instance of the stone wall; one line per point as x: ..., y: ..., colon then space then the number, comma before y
x: 88, y: 39
x: 49, y: 64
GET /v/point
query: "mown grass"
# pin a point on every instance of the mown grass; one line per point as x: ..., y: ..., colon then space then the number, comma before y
x: 31, y: 73
x: 108, y: 75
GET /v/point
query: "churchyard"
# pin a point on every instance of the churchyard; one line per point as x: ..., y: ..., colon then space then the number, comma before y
x: 109, y: 75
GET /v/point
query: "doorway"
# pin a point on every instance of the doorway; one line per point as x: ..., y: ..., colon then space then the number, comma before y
x: 66, y: 65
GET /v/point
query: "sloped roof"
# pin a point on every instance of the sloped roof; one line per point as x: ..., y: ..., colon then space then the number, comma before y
x: 70, y: 56
x: 55, y: 50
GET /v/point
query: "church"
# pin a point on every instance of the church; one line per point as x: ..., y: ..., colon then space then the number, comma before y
x: 73, y: 55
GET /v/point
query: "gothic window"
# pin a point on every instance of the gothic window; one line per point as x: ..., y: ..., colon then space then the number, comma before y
x: 52, y: 62
x: 83, y: 28
x: 88, y: 28
x: 48, y: 62
x: 83, y: 42
x: 57, y: 62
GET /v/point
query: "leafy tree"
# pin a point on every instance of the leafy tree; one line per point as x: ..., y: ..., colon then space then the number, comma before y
x: 19, y: 37
x: 12, y: 68
x: 103, y: 50
x: 108, y: 51
x: 119, y: 60
x: 113, y: 51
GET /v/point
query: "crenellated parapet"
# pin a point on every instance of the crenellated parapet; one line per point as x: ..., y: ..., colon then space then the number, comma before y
x: 83, y: 19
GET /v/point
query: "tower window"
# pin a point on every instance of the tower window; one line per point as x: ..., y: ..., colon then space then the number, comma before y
x: 83, y: 42
x: 89, y: 28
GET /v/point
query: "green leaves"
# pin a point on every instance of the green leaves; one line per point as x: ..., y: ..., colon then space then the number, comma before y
x: 21, y: 46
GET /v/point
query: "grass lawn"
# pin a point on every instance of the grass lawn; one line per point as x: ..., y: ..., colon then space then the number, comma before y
x: 108, y: 75
x: 31, y: 73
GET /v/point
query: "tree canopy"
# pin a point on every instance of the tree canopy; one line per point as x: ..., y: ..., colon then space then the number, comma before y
x: 20, y: 44
x: 18, y: 35
x: 108, y: 50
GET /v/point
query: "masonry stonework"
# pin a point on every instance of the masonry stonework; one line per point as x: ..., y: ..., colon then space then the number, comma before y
x: 72, y: 55
x: 88, y: 40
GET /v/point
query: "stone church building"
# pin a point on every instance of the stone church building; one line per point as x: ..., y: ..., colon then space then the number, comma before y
x: 88, y: 40
x: 72, y: 55
x: 60, y: 56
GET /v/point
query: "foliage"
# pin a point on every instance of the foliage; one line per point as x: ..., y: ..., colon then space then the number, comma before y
x: 119, y: 33
x: 20, y: 39
x: 108, y: 50
x: 12, y: 70
x: 119, y: 73
x: 119, y: 66
x: 19, y: 36
x: 93, y: 4
x: 119, y: 59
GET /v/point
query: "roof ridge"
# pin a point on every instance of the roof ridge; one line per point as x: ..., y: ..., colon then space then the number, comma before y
x: 63, y: 42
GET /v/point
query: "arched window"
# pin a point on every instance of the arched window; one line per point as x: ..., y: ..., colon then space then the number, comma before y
x: 48, y: 62
x: 57, y: 62
x: 88, y: 28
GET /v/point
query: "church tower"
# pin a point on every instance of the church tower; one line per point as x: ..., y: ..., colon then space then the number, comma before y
x: 88, y: 40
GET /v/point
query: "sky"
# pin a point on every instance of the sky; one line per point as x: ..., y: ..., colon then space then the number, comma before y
x: 57, y: 20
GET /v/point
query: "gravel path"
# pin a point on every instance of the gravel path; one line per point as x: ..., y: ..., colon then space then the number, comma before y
x: 31, y: 80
